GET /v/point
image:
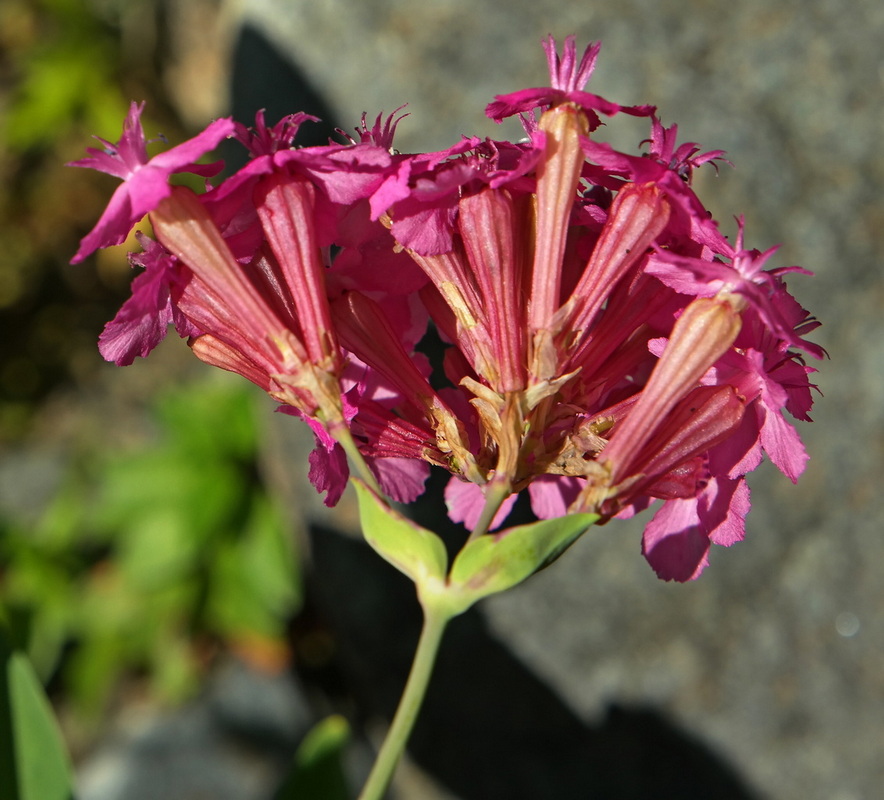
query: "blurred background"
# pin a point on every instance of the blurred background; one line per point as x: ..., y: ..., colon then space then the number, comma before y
x: 192, y: 607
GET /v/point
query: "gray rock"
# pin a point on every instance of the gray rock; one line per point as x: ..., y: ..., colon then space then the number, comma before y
x: 234, y: 742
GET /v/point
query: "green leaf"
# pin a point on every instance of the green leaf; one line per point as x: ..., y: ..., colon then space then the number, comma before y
x: 413, y: 550
x: 318, y: 769
x: 495, y: 563
x: 255, y: 579
x: 159, y: 549
x: 33, y: 760
x: 196, y: 414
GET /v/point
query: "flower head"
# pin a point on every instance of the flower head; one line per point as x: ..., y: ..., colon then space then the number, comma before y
x: 605, y: 346
x: 381, y: 133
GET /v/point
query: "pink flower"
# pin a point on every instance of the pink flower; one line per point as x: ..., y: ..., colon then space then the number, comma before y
x: 744, y: 276
x: 260, y: 140
x: 682, y: 159
x: 381, y: 133
x: 567, y: 79
x: 572, y: 329
x: 605, y: 347
x: 142, y: 322
x: 145, y: 181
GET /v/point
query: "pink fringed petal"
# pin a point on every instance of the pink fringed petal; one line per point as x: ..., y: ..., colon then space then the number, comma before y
x: 402, y: 479
x: 329, y: 471
x: 146, y: 182
x: 552, y: 494
x: 465, y: 502
x: 674, y: 543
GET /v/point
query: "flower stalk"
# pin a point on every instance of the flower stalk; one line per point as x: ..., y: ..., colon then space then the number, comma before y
x: 393, y: 746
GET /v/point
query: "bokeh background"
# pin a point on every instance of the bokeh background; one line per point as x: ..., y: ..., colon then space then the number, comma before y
x: 191, y: 605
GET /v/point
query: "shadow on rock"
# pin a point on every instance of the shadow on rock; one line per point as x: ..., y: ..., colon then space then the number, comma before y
x: 490, y: 728
x: 263, y: 78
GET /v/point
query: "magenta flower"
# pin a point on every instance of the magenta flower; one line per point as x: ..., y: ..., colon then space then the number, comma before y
x: 606, y: 348
x: 263, y: 141
x: 683, y: 159
x: 145, y: 181
x: 141, y: 324
x: 567, y: 79
x: 743, y: 276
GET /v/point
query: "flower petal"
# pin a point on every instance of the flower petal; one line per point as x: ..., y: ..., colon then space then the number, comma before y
x: 465, y: 502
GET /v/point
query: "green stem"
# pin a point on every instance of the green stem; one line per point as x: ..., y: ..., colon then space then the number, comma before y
x: 391, y: 750
x: 495, y: 493
x: 343, y: 437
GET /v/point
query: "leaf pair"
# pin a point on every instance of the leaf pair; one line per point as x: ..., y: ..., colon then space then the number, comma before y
x: 488, y: 565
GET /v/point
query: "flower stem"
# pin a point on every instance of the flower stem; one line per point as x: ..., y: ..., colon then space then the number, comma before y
x: 343, y: 437
x: 495, y: 493
x: 435, y: 620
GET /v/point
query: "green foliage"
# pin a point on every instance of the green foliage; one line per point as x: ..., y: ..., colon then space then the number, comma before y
x: 496, y: 562
x: 163, y: 552
x: 487, y: 565
x: 318, y: 769
x: 67, y: 75
x: 68, y: 70
x: 33, y: 761
x: 413, y: 550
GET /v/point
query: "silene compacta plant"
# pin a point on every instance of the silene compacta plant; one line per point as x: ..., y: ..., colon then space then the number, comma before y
x: 607, y: 348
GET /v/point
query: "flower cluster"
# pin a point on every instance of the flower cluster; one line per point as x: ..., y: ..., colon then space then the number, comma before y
x: 606, y: 346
